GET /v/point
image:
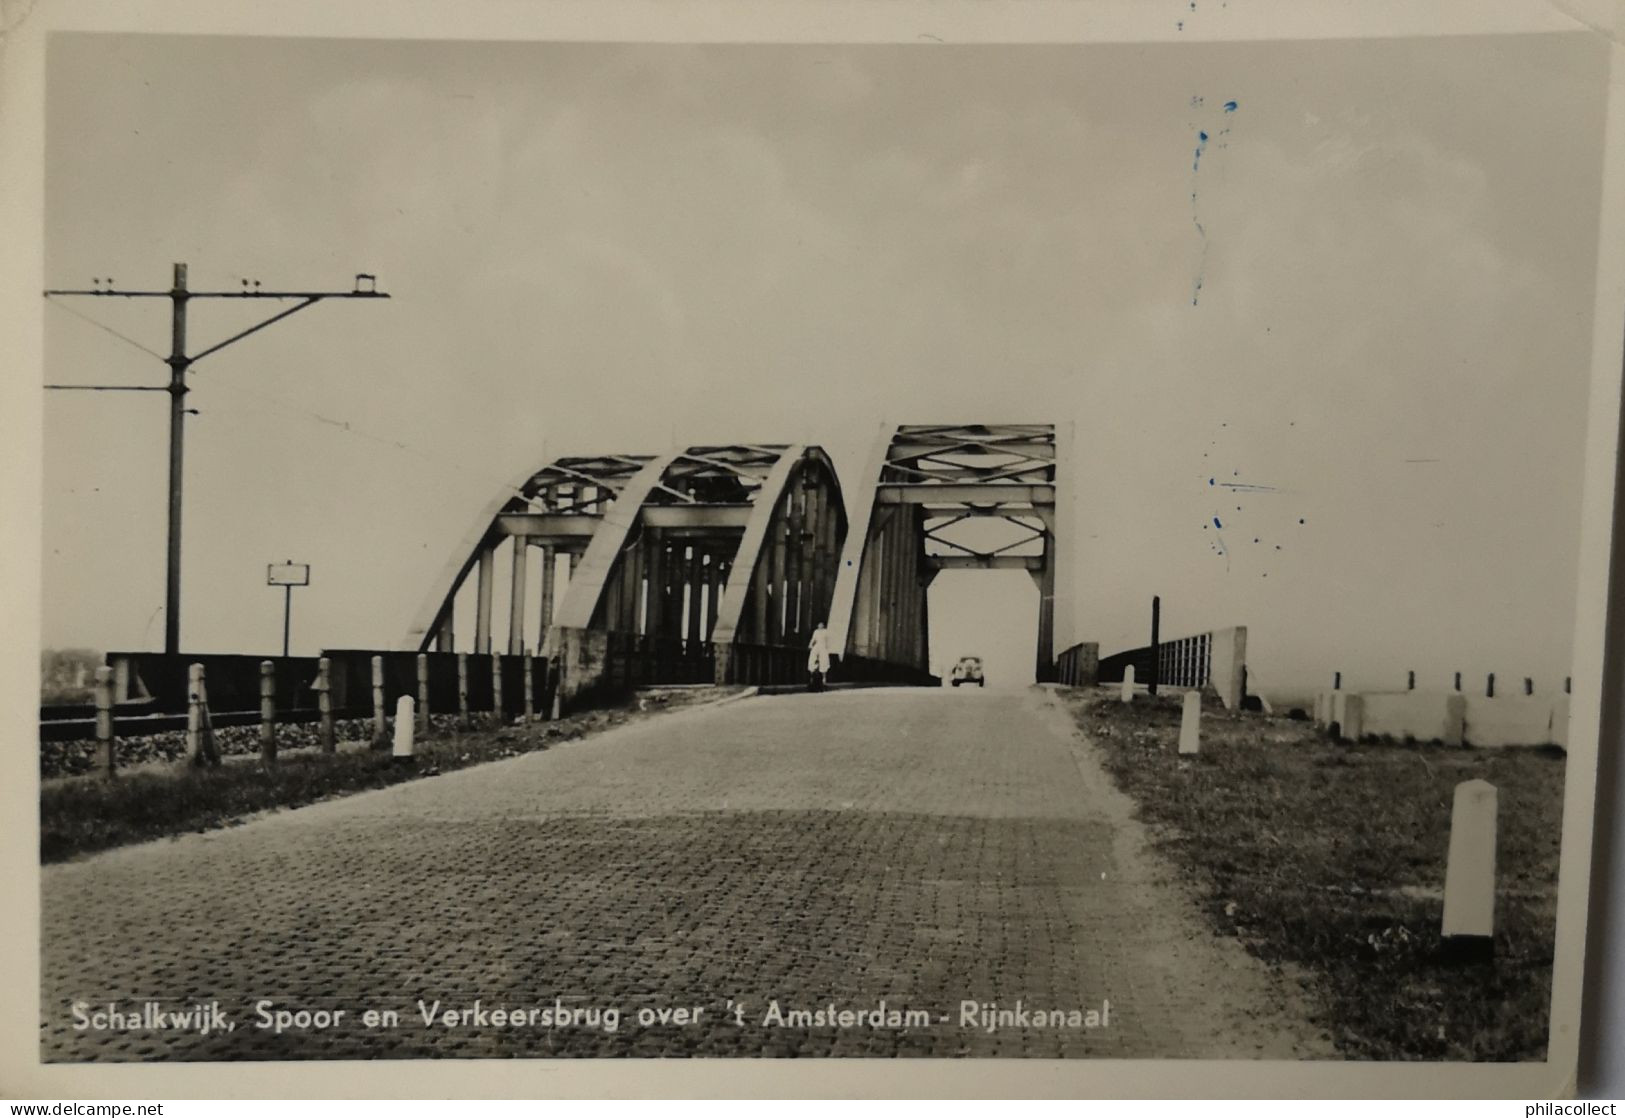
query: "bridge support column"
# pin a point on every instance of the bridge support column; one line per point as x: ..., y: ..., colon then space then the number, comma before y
x: 713, y: 595
x: 654, y: 550
x: 482, y: 607
x: 1044, y: 667
x: 545, y: 614
x: 516, y: 598
x: 776, y: 614
x: 815, y: 583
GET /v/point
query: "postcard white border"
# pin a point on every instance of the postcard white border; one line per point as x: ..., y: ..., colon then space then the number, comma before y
x: 22, y: 74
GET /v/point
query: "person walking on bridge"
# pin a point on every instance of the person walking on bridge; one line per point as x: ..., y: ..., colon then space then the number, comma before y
x: 817, y: 658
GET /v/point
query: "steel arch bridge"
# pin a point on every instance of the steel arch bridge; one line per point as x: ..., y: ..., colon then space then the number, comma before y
x: 947, y: 497
x: 712, y: 562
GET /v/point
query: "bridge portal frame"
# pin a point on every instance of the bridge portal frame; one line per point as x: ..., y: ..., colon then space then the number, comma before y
x: 920, y: 481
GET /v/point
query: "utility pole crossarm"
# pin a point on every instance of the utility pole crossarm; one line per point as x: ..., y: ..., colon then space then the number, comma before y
x: 109, y: 291
x: 108, y: 387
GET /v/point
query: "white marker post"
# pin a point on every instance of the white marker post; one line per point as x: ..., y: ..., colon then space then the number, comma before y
x: 1469, y: 877
x: 402, y: 750
x: 1128, y: 684
x: 1190, y: 724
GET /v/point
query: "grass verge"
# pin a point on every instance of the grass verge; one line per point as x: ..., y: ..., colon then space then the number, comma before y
x: 82, y: 814
x: 1331, y: 857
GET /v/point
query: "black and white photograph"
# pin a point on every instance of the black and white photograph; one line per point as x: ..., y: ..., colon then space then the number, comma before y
x: 578, y: 546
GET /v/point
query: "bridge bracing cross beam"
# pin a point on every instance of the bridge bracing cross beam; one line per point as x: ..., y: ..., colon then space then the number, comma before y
x: 931, y: 495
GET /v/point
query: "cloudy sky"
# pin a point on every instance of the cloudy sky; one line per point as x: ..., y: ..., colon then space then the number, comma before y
x: 1350, y: 327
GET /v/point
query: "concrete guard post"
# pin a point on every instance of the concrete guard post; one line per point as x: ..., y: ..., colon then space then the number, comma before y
x: 1127, y: 693
x: 401, y: 751
x: 1468, y: 926
x: 1190, y: 724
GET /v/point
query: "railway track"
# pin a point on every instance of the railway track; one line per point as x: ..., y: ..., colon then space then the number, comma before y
x: 78, y: 722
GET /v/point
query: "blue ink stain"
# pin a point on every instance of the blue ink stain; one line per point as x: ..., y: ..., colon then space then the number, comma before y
x: 1196, y: 166
x: 1210, y: 481
x: 1216, y: 523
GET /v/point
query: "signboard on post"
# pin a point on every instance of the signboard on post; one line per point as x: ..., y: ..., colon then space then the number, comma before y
x: 287, y: 574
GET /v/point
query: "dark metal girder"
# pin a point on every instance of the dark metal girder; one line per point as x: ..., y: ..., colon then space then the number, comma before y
x: 893, y: 493
x: 1027, y: 473
x: 985, y: 562
x: 1015, y: 449
x: 964, y: 512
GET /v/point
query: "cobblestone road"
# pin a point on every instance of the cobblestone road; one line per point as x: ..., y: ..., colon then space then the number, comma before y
x: 920, y: 847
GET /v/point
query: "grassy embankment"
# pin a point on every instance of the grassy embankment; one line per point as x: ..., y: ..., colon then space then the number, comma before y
x: 1330, y: 858
x: 157, y: 796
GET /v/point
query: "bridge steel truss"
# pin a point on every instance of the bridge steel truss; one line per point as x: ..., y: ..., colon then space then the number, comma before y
x: 709, y: 563
x: 557, y: 510
x: 950, y: 497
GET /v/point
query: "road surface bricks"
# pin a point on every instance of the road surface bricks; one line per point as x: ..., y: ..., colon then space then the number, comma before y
x: 920, y: 848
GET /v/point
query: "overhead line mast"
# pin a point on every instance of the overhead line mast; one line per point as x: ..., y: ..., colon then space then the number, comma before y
x: 179, y: 362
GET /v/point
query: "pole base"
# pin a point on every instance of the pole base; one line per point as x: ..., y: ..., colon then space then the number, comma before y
x: 1467, y: 950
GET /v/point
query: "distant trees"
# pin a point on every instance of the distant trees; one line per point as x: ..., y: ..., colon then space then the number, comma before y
x: 67, y: 674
